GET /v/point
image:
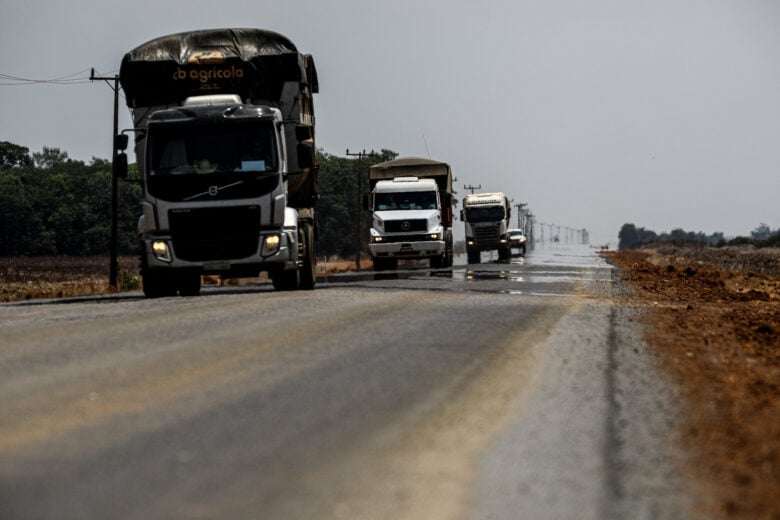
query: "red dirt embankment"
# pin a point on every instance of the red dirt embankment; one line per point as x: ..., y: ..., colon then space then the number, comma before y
x: 715, y: 323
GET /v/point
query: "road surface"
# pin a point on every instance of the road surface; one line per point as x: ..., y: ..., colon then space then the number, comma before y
x: 486, y: 391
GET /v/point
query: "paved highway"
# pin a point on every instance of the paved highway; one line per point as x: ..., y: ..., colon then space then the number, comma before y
x: 487, y: 391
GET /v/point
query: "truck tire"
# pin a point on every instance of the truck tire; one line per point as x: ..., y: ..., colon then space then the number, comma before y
x: 448, y: 255
x: 286, y: 280
x: 385, y: 264
x: 473, y: 257
x: 437, y: 262
x: 155, y: 284
x: 189, y: 284
x: 308, y: 277
x: 504, y: 253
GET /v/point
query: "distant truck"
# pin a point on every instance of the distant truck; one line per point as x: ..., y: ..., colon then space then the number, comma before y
x: 224, y: 143
x: 486, y: 220
x: 411, y: 202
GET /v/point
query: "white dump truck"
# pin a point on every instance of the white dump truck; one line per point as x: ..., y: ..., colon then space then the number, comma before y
x: 411, y: 203
x: 224, y: 142
x: 486, y: 220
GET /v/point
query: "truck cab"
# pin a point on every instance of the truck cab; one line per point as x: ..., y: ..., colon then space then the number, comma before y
x: 224, y: 143
x: 486, y: 217
x: 411, y: 206
x: 406, y: 222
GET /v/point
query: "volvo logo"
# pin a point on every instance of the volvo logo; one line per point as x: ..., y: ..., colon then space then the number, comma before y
x: 213, y: 190
x: 405, y: 225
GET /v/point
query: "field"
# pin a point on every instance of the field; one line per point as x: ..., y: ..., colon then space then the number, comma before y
x: 713, y: 318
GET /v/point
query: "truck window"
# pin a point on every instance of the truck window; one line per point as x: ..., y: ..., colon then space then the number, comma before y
x: 405, y: 200
x: 212, y: 149
x: 485, y: 214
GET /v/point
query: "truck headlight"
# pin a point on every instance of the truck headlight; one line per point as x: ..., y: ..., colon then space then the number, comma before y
x: 375, y: 239
x: 271, y: 245
x: 161, y: 251
x: 435, y: 236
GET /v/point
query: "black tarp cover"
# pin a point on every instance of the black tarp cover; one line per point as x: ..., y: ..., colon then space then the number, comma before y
x: 252, y: 63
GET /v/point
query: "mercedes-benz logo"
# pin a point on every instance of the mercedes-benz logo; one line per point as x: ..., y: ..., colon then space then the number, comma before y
x: 405, y: 225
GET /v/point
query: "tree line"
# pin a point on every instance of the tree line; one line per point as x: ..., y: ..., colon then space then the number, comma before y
x: 631, y: 236
x: 52, y: 205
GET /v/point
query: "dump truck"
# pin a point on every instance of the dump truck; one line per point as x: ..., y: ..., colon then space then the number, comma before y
x: 225, y: 148
x: 411, y: 201
x: 486, y: 220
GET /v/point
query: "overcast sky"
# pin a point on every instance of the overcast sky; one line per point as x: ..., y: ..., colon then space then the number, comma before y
x: 662, y: 113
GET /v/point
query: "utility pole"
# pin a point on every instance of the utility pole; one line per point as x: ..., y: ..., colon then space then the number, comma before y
x: 359, y: 156
x: 112, y: 270
x: 472, y: 188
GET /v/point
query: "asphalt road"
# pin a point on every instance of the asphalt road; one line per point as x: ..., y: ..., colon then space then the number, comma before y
x: 489, y: 391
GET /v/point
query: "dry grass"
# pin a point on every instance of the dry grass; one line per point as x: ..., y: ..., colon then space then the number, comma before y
x: 23, y: 278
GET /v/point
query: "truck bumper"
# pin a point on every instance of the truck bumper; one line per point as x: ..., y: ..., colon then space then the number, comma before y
x: 161, y: 257
x: 412, y: 250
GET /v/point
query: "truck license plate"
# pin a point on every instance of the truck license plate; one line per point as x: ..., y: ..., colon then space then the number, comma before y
x: 216, y: 266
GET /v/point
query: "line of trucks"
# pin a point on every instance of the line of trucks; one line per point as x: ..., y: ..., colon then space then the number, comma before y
x: 225, y: 147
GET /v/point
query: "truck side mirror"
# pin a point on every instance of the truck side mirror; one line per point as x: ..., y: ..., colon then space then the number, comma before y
x: 120, y: 142
x: 119, y: 166
x: 365, y: 201
x: 461, y: 215
x: 303, y: 133
x: 305, y: 156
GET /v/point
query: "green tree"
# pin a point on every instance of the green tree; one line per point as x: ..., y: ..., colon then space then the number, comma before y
x: 343, y: 181
x: 54, y: 205
x: 14, y: 156
x: 762, y: 232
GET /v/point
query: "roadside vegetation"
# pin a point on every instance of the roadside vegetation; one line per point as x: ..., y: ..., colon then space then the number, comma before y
x: 632, y: 237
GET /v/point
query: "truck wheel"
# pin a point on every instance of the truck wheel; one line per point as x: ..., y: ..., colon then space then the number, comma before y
x: 155, y: 284
x: 504, y: 253
x: 308, y: 278
x: 189, y: 285
x: 385, y: 264
x: 473, y: 257
x: 448, y: 253
x: 437, y: 262
x: 286, y: 280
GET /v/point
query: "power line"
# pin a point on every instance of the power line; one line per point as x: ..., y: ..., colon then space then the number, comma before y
x: 75, y: 78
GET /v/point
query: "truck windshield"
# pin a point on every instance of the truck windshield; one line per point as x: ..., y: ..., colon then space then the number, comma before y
x: 212, y: 162
x: 405, y: 200
x: 209, y: 149
x: 485, y: 214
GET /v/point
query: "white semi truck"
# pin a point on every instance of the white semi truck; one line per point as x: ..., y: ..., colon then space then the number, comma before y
x: 224, y: 143
x: 486, y: 220
x: 411, y: 202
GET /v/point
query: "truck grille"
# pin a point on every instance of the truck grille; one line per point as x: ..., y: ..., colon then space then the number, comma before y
x: 406, y: 238
x: 215, y: 233
x: 486, y: 234
x: 406, y: 226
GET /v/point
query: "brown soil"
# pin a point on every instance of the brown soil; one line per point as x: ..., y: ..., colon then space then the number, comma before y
x: 715, y: 323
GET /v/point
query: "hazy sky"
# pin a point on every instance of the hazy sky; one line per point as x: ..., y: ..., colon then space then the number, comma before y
x: 663, y: 113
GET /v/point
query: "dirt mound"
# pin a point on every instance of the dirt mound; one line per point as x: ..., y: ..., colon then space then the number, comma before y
x: 714, y: 320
